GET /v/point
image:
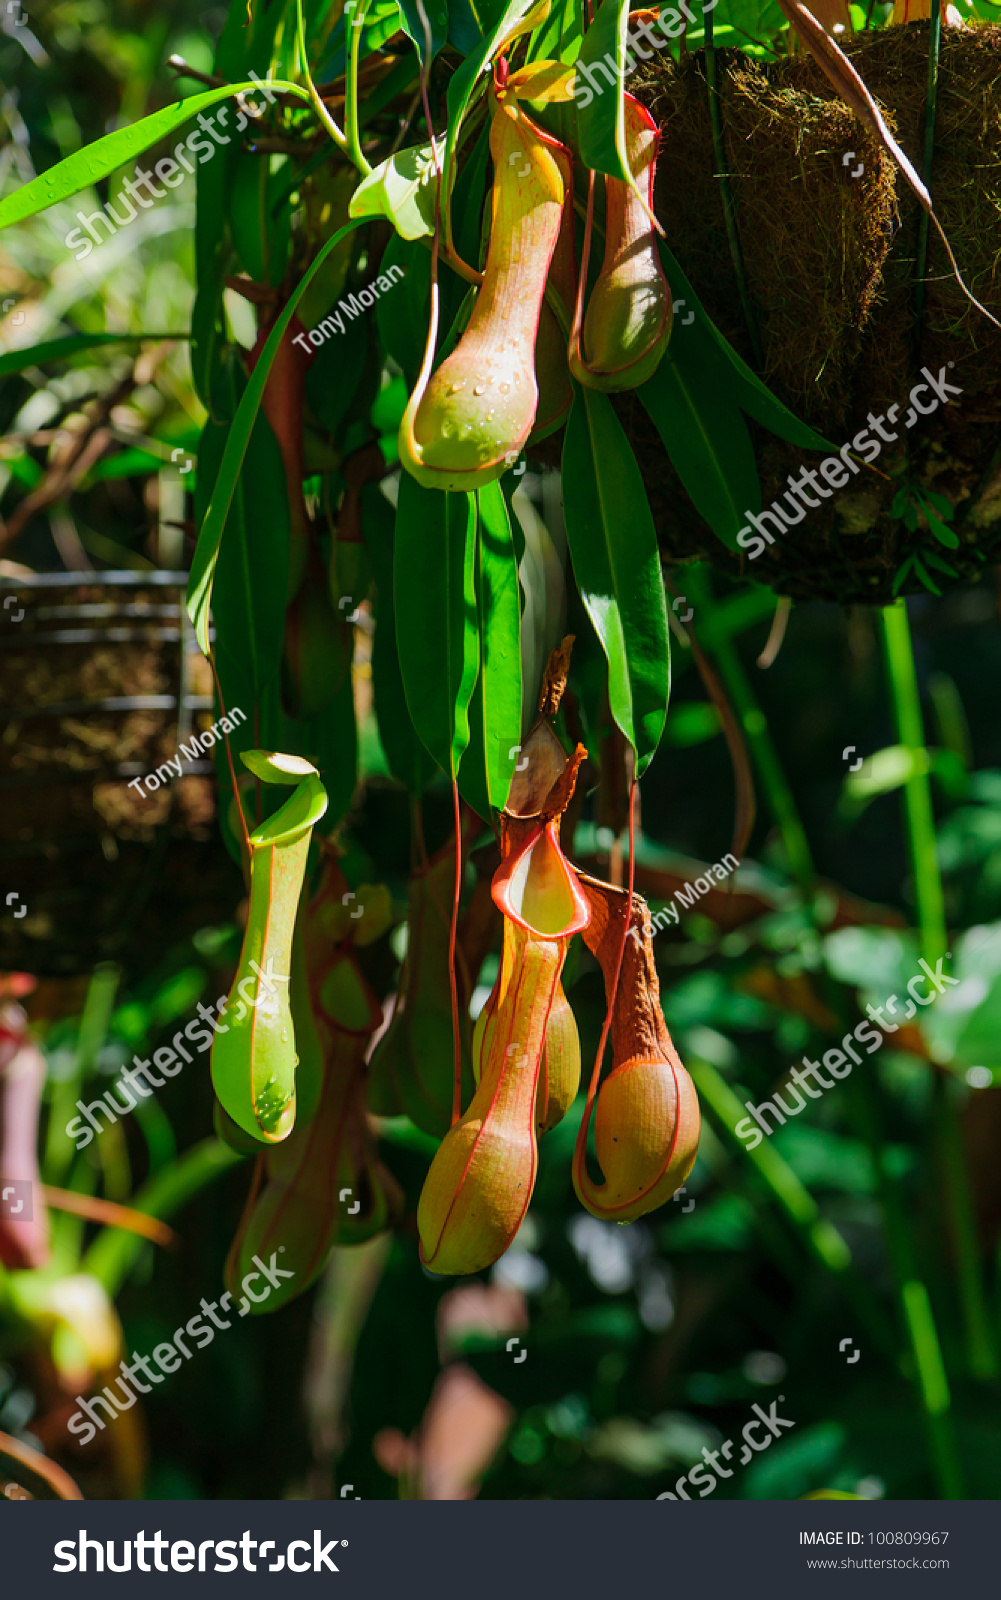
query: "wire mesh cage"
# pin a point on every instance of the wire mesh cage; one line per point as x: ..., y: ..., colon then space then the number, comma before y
x: 101, y: 684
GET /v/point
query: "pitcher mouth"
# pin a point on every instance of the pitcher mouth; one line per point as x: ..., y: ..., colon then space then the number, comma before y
x: 538, y: 890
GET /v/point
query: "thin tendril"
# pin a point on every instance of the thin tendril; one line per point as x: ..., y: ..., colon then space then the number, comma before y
x: 245, y: 840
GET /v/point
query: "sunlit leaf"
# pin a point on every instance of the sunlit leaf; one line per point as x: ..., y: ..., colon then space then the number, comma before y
x: 613, y: 546
x: 98, y: 160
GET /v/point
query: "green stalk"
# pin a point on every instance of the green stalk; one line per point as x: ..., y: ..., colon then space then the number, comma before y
x: 920, y: 817
x: 318, y: 105
x: 726, y: 197
x: 915, y: 1306
x: 981, y: 1354
x: 351, y: 100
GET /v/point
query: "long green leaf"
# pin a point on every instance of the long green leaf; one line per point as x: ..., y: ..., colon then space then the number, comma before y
x: 402, y: 189
x: 496, y: 708
x: 251, y: 576
x: 35, y: 355
x: 601, y: 123
x: 408, y: 760
x: 207, y: 550
x: 436, y: 624
x: 702, y: 340
x: 613, y: 547
x: 708, y: 443
x: 98, y: 160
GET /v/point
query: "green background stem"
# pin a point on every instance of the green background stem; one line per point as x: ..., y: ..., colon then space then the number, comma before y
x: 981, y: 1354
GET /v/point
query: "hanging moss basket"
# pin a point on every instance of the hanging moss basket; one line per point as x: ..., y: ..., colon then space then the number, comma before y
x: 830, y: 259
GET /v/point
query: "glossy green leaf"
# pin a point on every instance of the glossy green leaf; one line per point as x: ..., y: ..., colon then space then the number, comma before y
x: 436, y: 624
x: 98, y: 160
x: 210, y: 536
x: 707, y: 440
x: 499, y: 608
x: 558, y: 38
x: 601, y: 122
x: 402, y: 189
x: 613, y: 547
x: 488, y: 763
x: 381, y: 23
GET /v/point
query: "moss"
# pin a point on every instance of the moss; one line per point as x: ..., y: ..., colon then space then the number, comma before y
x: 830, y: 265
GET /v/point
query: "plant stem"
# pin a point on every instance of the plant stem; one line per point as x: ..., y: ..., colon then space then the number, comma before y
x: 981, y: 1354
x: 351, y: 101
x: 318, y: 105
x: 726, y: 197
x: 915, y: 1306
x: 918, y: 811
